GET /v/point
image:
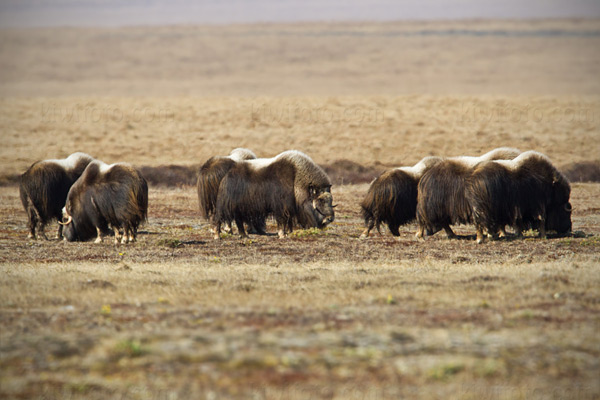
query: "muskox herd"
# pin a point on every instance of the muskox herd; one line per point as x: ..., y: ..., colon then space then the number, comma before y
x: 501, y: 188
x: 86, y: 196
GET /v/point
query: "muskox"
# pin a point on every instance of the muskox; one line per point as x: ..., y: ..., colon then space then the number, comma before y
x: 527, y: 192
x: 312, y: 188
x: 441, y: 199
x: 255, y: 189
x: 392, y: 197
x: 43, y: 189
x: 210, y: 175
x: 106, y: 196
x: 247, y: 195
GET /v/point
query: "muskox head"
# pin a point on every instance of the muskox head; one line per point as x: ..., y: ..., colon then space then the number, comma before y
x: 77, y: 225
x: 322, y: 204
x: 558, y: 218
x: 69, y: 225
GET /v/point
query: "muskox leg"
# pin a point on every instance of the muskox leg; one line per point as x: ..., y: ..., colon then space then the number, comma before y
x: 542, y: 227
x: 59, y: 234
x: 99, y: 237
x: 370, y: 225
x: 502, y: 231
x: 480, y: 235
x: 449, y: 233
x: 41, y: 230
x: 240, y: 225
x: 394, y: 229
x: 217, y: 231
x: 117, y: 235
x: 132, y: 234
x: 420, y: 232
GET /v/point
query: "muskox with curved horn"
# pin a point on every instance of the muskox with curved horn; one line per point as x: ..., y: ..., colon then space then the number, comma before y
x: 392, y: 197
x: 106, y: 196
x: 312, y: 188
x: 441, y: 199
x: 255, y: 189
x: 43, y: 189
x: 211, y: 174
x: 527, y: 192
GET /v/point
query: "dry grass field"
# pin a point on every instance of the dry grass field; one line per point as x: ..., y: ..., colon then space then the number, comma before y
x: 320, y: 314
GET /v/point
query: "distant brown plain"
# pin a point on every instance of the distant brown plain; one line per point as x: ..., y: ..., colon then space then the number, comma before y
x: 320, y: 314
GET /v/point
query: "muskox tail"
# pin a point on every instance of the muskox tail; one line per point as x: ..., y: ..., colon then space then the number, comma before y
x: 391, y: 199
x: 210, y: 176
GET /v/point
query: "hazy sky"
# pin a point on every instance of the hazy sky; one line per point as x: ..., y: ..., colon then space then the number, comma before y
x: 144, y: 12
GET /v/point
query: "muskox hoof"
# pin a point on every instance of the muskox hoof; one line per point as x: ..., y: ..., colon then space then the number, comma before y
x: 124, y: 239
x: 217, y: 237
x: 98, y: 240
x: 31, y: 236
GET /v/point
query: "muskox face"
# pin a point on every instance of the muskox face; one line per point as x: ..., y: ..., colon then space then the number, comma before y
x: 69, y: 224
x: 559, y: 218
x: 322, y: 202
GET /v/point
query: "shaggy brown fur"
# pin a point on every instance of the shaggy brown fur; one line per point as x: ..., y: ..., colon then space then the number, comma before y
x: 43, y: 190
x: 247, y: 195
x: 106, y: 196
x: 309, y: 183
x: 211, y: 174
x: 392, y: 197
x: 441, y: 199
x: 540, y: 198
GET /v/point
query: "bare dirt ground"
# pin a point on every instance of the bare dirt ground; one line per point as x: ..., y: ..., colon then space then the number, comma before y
x: 320, y: 314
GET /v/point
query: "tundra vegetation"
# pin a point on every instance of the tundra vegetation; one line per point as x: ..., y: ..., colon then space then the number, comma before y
x: 319, y: 314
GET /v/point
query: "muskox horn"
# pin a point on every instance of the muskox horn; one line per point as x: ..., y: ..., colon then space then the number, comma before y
x: 69, y: 220
x: 568, y: 207
x: 334, y: 206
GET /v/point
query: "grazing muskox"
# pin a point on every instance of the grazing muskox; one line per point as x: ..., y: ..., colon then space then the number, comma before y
x: 114, y: 196
x: 392, y: 197
x: 527, y: 192
x: 43, y: 189
x: 441, y: 199
x: 247, y: 195
x: 254, y: 189
x: 312, y: 188
x: 211, y: 174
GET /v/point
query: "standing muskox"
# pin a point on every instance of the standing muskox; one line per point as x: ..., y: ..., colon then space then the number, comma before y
x: 527, y: 192
x: 392, y: 197
x: 441, y: 192
x: 106, y: 196
x: 211, y: 174
x: 254, y: 189
x: 43, y: 189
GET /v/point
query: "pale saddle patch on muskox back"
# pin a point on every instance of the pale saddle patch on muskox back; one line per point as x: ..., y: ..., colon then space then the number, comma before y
x: 259, y: 163
x: 71, y: 161
x: 104, y: 168
x: 417, y: 170
x: 515, y: 164
x: 241, y: 154
x: 501, y: 153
